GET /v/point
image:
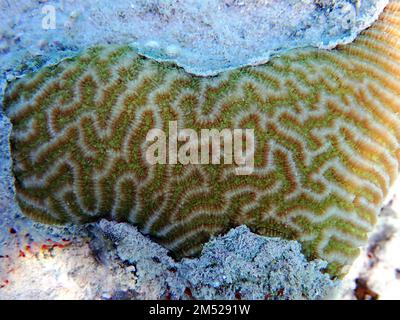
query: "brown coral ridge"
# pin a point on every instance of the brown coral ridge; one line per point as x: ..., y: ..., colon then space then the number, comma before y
x: 327, y: 132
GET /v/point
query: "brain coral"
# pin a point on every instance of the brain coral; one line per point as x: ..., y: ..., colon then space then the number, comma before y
x: 327, y: 132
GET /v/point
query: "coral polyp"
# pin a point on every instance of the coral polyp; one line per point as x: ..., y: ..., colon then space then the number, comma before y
x: 326, y: 125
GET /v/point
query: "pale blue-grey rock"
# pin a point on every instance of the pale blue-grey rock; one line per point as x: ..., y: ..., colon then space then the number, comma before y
x: 237, y: 265
x: 203, y: 36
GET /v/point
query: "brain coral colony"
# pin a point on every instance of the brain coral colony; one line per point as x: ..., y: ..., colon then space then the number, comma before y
x: 326, y: 125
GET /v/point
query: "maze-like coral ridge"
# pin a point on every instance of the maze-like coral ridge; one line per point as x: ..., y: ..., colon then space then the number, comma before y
x: 327, y: 132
